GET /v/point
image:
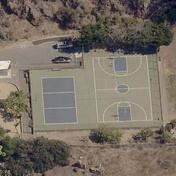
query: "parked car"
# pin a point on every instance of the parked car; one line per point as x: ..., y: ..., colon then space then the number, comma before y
x: 64, y: 44
x: 61, y: 59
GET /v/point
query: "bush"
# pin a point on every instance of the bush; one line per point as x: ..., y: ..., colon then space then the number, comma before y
x: 106, y: 134
x: 168, y: 127
x: 165, y: 137
x: 9, y: 35
x: 9, y: 145
x: 67, y: 18
x: 173, y: 123
x: 2, y: 132
x: 143, y: 135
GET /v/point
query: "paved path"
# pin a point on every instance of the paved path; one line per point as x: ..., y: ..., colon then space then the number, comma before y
x: 164, y: 101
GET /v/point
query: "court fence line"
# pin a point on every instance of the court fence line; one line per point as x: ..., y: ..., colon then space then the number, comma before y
x: 131, y: 145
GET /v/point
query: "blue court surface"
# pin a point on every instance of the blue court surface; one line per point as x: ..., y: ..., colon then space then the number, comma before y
x: 59, y: 100
x: 120, y: 64
x: 122, y: 88
x: 124, y: 113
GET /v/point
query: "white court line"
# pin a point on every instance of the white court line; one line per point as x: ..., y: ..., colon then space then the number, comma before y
x: 117, y: 89
x: 122, y: 89
x: 115, y: 74
x: 96, y: 104
x: 151, y: 108
x: 42, y: 78
x: 57, y: 77
x: 75, y: 99
x: 57, y: 93
x: 55, y: 123
x: 43, y: 101
x: 129, y: 105
x: 125, y: 72
x: 127, y: 121
x: 62, y: 108
x: 129, y: 102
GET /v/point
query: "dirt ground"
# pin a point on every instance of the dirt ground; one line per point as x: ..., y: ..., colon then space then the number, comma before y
x: 122, y: 162
x: 167, y: 56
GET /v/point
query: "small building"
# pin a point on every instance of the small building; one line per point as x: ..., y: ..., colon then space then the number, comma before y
x: 5, y: 69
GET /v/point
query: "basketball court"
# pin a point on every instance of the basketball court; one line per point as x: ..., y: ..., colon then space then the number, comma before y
x: 122, y: 87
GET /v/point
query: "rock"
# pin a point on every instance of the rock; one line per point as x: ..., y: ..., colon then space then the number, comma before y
x: 81, y: 164
x: 97, y: 169
x: 47, y: 12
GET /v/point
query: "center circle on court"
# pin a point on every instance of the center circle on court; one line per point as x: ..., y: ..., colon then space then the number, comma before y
x: 122, y: 88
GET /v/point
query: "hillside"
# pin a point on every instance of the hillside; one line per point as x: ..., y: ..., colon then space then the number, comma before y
x: 32, y: 19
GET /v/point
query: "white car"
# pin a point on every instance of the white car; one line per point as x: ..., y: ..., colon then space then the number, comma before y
x: 64, y: 44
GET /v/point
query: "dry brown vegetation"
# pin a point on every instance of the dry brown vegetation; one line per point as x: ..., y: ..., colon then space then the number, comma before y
x: 123, y: 161
x: 32, y: 19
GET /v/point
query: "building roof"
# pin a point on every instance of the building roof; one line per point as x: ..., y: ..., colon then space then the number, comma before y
x: 4, y: 65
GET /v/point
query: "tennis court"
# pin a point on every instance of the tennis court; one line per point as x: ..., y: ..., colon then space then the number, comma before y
x: 110, y: 90
x: 59, y: 100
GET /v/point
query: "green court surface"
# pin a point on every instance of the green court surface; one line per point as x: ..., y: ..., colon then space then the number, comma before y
x: 120, y: 91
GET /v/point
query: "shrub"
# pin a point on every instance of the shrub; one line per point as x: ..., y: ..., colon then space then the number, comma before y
x: 2, y: 13
x: 106, y: 134
x: 2, y: 132
x: 9, y: 145
x: 173, y: 123
x: 9, y: 35
x: 168, y: 127
x: 143, y: 134
x: 165, y: 137
x: 2, y: 35
x: 67, y: 17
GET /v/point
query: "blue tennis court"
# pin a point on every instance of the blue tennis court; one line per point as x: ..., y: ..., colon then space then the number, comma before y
x: 120, y: 64
x: 59, y: 100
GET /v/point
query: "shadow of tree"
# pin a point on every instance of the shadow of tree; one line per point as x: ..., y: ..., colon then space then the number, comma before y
x: 6, y: 116
x: 92, y: 136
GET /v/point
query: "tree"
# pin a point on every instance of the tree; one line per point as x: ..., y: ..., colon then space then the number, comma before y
x: 48, y: 153
x: 92, y: 34
x: 39, y: 155
x: 15, y: 104
x: 106, y: 134
x: 150, y: 35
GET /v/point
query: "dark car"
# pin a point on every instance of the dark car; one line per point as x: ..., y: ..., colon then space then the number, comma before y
x: 61, y: 59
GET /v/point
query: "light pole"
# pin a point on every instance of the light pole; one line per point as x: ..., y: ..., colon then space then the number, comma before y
x: 82, y: 50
